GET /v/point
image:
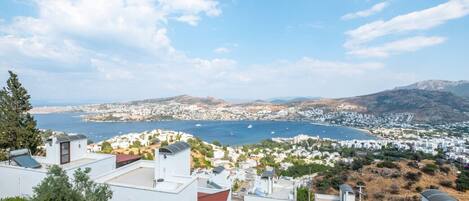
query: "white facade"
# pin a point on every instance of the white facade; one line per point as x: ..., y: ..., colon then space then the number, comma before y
x: 19, y: 181
x: 172, y: 164
x: 135, y: 182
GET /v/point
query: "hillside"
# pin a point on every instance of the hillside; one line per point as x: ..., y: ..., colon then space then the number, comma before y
x: 460, y: 88
x: 428, y: 106
x: 184, y: 99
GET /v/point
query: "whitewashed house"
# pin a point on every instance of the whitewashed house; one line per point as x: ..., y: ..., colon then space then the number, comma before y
x: 22, y: 171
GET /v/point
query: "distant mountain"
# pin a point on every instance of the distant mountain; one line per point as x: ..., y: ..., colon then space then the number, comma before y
x: 427, y: 105
x: 460, y: 88
x: 286, y: 100
x: 185, y: 99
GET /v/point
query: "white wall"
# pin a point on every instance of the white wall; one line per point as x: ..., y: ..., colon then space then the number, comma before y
x: 18, y: 181
x: 258, y: 198
x: 77, y: 149
x: 53, y: 152
x: 121, y: 193
x: 177, y: 164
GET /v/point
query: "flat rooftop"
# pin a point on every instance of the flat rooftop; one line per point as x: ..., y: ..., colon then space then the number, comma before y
x: 141, y: 175
x: 87, y: 159
x: 282, y: 189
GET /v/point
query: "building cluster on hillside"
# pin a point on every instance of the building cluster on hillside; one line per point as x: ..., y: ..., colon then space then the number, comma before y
x: 169, y: 176
x: 145, y: 138
x: 147, y: 111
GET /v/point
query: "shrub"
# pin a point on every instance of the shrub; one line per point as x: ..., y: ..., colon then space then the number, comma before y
x: 387, y: 164
x: 411, y: 176
x: 413, y: 164
x: 378, y: 195
x: 430, y: 169
x: 445, y: 169
x: 462, y: 182
x: 394, y: 189
x: 446, y: 183
x: 418, y: 189
x: 13, y: 199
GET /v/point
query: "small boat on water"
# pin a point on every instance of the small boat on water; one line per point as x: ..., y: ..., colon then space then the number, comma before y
x: 273, y: 132
x: 198, y: 125
x: 250, y: 126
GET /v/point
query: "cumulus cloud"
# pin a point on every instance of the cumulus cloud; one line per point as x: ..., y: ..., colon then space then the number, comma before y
x: 365, y: 13
x: 358, y: 39
x: 121, y: 49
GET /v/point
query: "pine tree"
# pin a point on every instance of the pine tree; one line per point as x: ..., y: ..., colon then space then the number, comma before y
x: 17, y: 126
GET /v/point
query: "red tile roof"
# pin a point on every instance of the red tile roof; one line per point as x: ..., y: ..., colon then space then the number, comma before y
x: 124, y: 157
x: 220, y: 196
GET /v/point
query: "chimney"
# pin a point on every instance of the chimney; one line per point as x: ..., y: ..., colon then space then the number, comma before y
x: 157, y: 164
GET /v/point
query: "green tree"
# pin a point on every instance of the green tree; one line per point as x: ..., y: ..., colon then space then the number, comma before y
x: 216, y: 143
x: 136, y: 144
x: 106, y: 147
x: 17, y: 126
x: 302, y: 194
x: 57, y: 187
x: 462, y: 182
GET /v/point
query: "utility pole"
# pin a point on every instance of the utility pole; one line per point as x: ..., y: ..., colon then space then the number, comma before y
x: 360, y: 192
x: 310, y: 184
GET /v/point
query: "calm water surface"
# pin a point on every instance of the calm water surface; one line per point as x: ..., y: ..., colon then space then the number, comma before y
x: 227, y: 132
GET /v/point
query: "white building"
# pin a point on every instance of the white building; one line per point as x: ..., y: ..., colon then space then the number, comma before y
x: 167, y: 178
x: 22, y: 172
x: 268, y: 187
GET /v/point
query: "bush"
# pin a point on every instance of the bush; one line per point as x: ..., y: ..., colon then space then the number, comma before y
x: 418, y: 189
x: 462, y: 182
x: 413, y: 164
x: 378, y: 195
x: 56, y: 186
x: 414, y: 177
x: 430, y: 169
x: 14, y: 199
x: 388, y: 164
x: 394, y: 189
x: 445, y: 169
x: 446, y: 183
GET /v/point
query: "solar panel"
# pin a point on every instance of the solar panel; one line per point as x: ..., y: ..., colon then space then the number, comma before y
x: 175, y: 148
x: 26, y: 161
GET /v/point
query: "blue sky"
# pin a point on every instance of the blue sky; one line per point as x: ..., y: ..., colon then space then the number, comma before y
x: 95, y: 51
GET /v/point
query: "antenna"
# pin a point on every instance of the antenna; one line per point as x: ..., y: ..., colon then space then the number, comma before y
x: 360, y: 192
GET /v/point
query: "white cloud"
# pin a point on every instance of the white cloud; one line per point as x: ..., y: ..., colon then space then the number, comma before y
x: 395, y: 47
x: 221, y: 50
x: 418, y: 20
x: 192, y: 20
x: 359, y: 38
x: 365, y: 13
x: 121, y: 49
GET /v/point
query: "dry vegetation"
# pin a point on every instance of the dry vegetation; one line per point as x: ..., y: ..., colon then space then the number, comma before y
x: 404, y: 182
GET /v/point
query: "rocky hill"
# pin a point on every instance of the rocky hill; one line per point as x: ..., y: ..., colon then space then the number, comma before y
x: 428, y: 106
x: 185, y: 99
x: 460, y: 88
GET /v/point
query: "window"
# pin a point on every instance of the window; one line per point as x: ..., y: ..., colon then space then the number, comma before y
x: 64, y: 152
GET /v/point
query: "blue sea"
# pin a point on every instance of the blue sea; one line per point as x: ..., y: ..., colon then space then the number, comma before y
x: 227, y: 132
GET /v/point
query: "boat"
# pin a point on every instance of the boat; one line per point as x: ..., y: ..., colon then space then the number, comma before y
x: 273, y: 132
x: 198, y: 125
x: 250, y: 126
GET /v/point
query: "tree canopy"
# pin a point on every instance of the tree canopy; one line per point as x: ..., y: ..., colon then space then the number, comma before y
x: 17, y: 127
x: 82, y: 188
